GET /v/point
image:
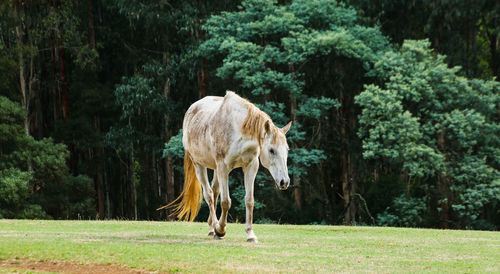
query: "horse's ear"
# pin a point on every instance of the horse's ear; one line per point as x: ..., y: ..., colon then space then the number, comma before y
x: 267, y: 127
x: 286, y: 128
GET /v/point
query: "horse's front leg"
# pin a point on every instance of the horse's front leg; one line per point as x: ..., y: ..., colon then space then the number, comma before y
x: 225, y: 200
x: 250, y: 172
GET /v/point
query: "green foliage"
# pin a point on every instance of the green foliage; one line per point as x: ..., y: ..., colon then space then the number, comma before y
x: 477, y: 188
x: 173, y: 147
x: 71, y: 197
x: 316, y: 107
x: 143, y: 106
x: 14, y: 187
x: 432, y: 123
x: 380, y: 194
x: 7, y: 70
x: 464, y: 31
x: 405, y: 211
x: 303, y: 159
x: 11, y: 119
x: 292, y: 34
x: 264, y: 51
x: 390, y: 133
x: 34, y: 178
x: 138, y: 92
x: 238, y: 194
x: 87, y: 58
x: 14, y: 191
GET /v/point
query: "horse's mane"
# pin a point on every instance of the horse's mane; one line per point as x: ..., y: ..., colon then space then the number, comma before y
x: 254, y: 123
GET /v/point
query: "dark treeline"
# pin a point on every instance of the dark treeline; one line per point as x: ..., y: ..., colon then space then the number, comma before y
x: 395, y: 106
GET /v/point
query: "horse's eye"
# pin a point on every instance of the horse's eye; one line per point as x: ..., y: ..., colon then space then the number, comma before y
x: 272, y: 151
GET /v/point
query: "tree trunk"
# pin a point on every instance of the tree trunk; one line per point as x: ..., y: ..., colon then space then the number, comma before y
x: 348, y: 188
x: 348, y: 179
x: 90, y: 19
x: 56, y: 89
x: 131, y: 180
x: 437, y: 26
x: 71, y: 162
x: 31, y: 96
x: 102, y: 202
x: 203, y: 80
x: 64, y: 83
x: 168, y: 162
x: 353, y: 174
x: 494, y: 41
x: 203, y: 74
x: 100, y: 194
x: 106, y: 190
x: 65, y: 103
x: 156, y: 181
x: 474, y: 51
x: 297, y: 189
x: 170, y: 180
x: 121, y: 194
x: 133, y: 191
x: 444, y: 188
x: 22, y: 76
x: 99, y: 172
x: 147, y: 184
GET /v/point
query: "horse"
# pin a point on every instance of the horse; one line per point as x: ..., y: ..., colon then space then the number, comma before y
x: 224, y: 133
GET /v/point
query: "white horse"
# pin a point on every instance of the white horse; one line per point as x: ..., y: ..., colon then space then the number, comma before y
x: 224, y: 133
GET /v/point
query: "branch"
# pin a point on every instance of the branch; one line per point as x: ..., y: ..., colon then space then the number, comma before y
x: 366, y: 206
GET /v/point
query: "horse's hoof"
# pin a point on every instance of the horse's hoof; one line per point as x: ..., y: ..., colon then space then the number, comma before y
x: 221, y: 235
x: 218, y: 237
x: 252, y: 240
x: 211, y: 233
x: 218, y: 233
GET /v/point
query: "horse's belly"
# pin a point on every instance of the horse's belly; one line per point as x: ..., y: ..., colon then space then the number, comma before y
x: 202, y: 155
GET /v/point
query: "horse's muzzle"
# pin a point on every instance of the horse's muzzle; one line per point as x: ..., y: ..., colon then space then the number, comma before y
x: 283, y: 184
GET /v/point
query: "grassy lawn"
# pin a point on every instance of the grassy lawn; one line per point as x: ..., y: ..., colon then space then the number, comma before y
x: 184, y: 247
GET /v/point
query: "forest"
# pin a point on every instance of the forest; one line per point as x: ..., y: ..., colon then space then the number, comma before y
x: 395, y: 106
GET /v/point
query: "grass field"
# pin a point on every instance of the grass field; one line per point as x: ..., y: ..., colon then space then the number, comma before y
x: 184, y: 247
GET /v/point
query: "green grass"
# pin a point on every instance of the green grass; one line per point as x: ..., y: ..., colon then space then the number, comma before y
x: 184, y: 247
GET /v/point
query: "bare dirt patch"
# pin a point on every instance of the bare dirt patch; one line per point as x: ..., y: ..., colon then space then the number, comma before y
x: 67, y: 267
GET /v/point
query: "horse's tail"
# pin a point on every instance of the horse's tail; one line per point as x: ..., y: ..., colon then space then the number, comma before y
x: 190, y: 198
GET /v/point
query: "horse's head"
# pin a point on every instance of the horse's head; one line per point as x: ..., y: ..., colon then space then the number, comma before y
x: 274, y: 153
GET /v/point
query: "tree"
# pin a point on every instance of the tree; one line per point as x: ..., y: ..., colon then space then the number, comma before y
x: 467, y: 32
x: 438, y: 128
x: 143, y: 107
x: 102, y: 85
x: 34, y: 179
x: 273, y: 53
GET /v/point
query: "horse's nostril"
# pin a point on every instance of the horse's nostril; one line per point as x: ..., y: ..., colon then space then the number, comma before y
x: 282, y: 183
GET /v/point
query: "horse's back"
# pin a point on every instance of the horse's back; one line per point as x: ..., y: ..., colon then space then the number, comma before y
x: 213, y: 111
x: 211, y: 126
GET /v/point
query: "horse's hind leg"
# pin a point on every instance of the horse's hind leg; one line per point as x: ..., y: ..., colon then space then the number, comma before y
x: 212, y: 219
x: 201, y: 173
x: 225, y: 200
